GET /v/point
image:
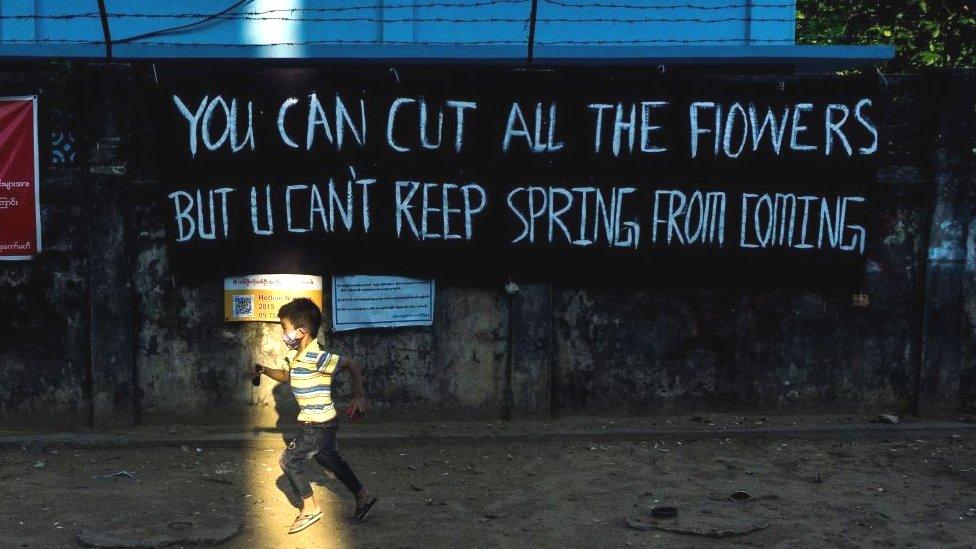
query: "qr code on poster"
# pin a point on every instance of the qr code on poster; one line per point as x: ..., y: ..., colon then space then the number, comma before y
x: 243, y: 305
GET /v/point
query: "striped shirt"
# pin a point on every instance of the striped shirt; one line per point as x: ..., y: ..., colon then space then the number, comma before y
x: 311, y: 371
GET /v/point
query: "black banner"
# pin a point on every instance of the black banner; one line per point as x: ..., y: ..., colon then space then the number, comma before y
x: 574, y: 175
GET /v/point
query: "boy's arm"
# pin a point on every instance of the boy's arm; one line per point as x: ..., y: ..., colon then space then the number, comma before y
x: 358, y: 393
x: 277, y: 375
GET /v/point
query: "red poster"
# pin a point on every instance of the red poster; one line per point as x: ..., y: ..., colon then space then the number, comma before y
x: 20, y: 213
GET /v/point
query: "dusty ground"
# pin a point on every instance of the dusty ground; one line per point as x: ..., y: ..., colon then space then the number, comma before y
x: 577, y: 493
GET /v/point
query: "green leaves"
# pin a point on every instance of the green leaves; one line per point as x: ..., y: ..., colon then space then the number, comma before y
x: 925, y: 33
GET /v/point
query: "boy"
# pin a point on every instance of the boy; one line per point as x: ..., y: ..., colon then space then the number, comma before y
x: 310, y: 369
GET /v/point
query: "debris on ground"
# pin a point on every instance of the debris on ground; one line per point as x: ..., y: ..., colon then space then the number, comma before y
x: 120, y: 474
x: 890, y: 419
x: 709, y: 516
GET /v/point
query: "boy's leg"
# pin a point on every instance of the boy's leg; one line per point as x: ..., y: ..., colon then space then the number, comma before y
x: 308, y: 443
x: 329, y: 458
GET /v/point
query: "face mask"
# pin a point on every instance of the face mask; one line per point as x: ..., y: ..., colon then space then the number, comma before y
x: 292, y: 340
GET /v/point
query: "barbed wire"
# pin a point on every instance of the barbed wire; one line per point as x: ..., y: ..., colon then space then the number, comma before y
x: 362, y: 7
x: 699, y: 7
x: 197, y: 15
x: 406, y: 42
x: 236, y: 17
x: 739, y: 40
x: 507, y: 19
x: 261, y: 45
x: 266, y: 14
x: 50, y: 41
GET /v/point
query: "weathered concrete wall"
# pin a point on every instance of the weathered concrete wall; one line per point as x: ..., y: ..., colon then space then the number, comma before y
x: 99, y: 330
x: 44, y: 304
x: 953, y: 161
x: 654, y: 350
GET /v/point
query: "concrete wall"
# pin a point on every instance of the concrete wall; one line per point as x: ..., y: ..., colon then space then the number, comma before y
x: 44, y: 312
x: 97, y: 330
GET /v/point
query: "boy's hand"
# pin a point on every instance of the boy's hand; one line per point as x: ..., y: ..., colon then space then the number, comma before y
x: 359, y: 404
x: 278, y: 375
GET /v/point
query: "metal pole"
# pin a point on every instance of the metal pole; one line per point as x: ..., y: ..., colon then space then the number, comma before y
x: 106, y: 33
x: 532, y: 19
x: 510, y: 350
x: 748, y: 19
x: 512, y: 290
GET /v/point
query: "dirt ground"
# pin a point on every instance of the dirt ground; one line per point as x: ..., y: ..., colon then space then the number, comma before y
x: 504, y: 493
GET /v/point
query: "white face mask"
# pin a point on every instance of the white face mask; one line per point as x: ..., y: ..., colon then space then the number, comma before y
x: 294, y: 339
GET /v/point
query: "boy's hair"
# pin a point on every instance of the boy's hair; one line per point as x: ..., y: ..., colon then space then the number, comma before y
x: 303, y: 313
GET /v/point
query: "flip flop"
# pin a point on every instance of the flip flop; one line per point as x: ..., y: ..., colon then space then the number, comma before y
x: 304, y: 521
x: 363, y: 512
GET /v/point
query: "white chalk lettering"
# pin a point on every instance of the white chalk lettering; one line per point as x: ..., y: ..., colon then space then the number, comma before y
x: 288, y: 222
x: 867, y: 125
x: 391, y: 119
x: 336, y: 204
x: 436, y: 198
x: 859, y: 234
x: 647, y: 127
x: 798, y: 128
x: 833, y: 127
x: 619, y: 127
x: 364, y: 183
x: 515, y: 115
x: 344, y: 120
x: 201, y: 122
x: 205, y: 128
x: 623, y: 136
x: 777, y: 128
x: 470, y: 212
x: 424, y: 139
x: 403, y: 206
x: 204, y: 224
x: 255, y: 225
x: 532, y: 205
x: 425, y: 211
x: 193, y: 118
x: 696, y: 129
x: 771, y: 221
x: 555, y: 213
x: 705, y: 211
x: 236, y: 146
x: 459, y: 108
x: 329, y: 204
x: 282, y: 111
x: 598, y: 123
x: 741, y: 124
x: 184, y: 221
x: 730, y: 122
x: 316, y: 117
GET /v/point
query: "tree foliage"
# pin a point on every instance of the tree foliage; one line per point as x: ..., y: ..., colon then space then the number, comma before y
x: 925, y: 33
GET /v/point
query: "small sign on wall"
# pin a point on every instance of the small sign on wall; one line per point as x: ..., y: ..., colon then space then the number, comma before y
x: 20, y: 213
x: 362, y: 301
x: 258, y: 297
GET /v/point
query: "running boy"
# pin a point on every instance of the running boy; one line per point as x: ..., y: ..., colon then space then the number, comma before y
x: 310, y: 369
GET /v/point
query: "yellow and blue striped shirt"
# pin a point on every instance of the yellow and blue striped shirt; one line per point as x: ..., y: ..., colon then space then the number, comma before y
x: 311, y: 371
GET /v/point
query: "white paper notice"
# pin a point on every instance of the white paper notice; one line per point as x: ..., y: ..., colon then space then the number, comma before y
x: 361, y: 301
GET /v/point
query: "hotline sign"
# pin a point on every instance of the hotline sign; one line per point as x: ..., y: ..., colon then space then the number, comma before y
x: 20, y: 215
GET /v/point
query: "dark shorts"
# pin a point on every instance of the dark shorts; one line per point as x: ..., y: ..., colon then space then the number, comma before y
x: 316, y: 440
